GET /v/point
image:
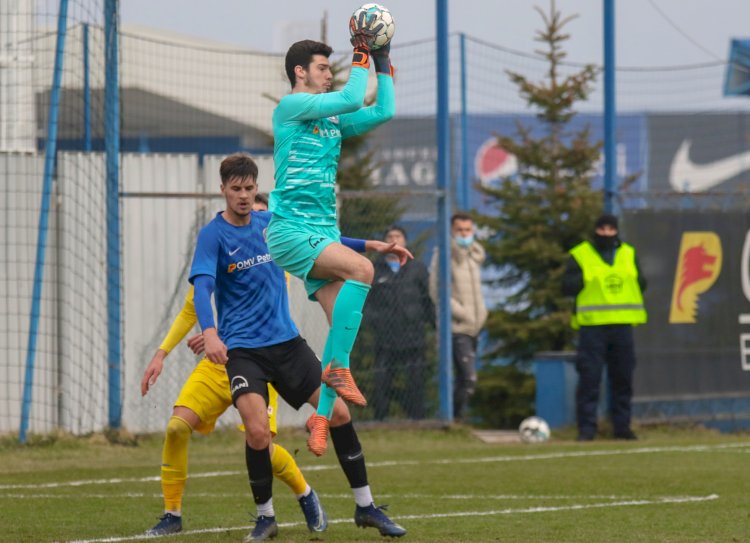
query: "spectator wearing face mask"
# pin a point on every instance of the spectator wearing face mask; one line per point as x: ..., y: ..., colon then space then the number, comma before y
x: 468, y: 309
x: 606, y: 280
x: 399, y: 310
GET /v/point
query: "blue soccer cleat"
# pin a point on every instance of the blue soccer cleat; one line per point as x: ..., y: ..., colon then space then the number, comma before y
x: 315, y: 515
x: 265, y: 528
x: 374, y: 517
x: 168, y: 524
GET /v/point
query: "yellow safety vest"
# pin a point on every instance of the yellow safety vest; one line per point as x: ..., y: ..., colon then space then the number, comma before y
x: 610, y: 294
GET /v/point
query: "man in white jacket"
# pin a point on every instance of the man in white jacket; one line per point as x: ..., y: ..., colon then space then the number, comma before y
x: 469, y: 312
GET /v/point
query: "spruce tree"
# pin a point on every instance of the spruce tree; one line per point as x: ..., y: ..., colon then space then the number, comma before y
x: 545, y: 208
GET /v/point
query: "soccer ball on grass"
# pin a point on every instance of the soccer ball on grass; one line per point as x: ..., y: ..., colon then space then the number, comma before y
x: 534, y: 430
x: 376, y: 16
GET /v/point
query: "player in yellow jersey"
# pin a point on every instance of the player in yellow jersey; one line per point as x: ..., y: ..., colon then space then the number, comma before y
x: 203, y: 399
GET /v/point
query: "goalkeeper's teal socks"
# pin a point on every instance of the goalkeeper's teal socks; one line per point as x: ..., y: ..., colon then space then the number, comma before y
x: 325, y: 401
x: 327, y: 395
x: 345, y: 321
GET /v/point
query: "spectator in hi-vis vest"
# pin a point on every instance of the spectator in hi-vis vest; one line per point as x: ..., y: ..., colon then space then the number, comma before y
x: 604, y: 276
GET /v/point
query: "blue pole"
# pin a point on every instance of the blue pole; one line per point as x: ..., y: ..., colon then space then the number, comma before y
x: 112, y: 150
x: 86, y: 91
x: 444, y: 209
x: 464, y: 199
x: 41, y: 244
x: 610, y: 128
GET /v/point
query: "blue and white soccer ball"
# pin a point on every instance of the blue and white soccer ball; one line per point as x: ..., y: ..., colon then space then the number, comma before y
x: 534, y: 430
x: 375, y: 15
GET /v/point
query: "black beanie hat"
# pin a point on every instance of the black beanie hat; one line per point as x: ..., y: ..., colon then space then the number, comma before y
x: 606, y: 220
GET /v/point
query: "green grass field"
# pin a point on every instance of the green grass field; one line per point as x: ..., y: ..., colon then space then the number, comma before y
x: 442, y: 485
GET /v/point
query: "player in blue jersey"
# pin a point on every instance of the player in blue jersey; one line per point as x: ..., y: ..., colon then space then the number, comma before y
x: 303, y: 237
x: 260, y: 344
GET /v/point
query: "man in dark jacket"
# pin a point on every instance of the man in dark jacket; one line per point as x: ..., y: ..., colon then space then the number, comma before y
x: 605, y: 277
x: 398, y: 309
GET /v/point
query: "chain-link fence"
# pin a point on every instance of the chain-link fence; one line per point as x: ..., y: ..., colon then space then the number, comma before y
x: 395, y: 358
x: 53, y: 294
x: 184, y: 98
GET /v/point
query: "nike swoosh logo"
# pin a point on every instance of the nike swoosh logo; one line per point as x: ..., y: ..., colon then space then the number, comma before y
x: 686, y: 176
x: 231, y: 253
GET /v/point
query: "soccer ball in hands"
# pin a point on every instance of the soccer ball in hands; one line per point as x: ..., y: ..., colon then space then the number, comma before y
x: 534, y: 430
x: 376, y: 16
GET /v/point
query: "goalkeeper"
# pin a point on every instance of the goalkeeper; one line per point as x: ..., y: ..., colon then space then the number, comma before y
x: 303, y: 238
x: 203, y: 399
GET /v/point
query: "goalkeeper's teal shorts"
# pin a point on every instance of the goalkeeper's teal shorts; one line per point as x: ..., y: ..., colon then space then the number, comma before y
x: 294, y: 246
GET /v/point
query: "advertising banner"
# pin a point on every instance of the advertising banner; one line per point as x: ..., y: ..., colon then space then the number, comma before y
x: 697, y: 340
x: 405, y: 151
x: 699, y: 153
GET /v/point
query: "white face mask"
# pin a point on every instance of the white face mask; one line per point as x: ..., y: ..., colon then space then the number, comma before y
x: 465, y: 241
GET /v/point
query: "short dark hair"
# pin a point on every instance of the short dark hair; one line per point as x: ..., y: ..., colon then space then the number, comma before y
x: 460, y: 216
x: 238, y: 165
x: 261, y: 198
x: 396, y: 228
x: 301, y: 54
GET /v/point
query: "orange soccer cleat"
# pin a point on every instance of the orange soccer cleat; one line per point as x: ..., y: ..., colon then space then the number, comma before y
x: 341, y: 380
x: 309, y: 423
x: 318, y: 440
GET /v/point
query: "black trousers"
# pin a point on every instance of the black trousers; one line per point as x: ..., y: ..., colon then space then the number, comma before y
x: 389, y: 363
x: 464, y: 372
x: 611, y: 345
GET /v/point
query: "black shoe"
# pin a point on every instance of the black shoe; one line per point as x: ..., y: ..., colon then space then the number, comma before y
x: 265, y: 528
x: 374, y: 517
x: 585, y: 437
x: 168, y: 524
x: 315, y: 515
x: 626, y: 434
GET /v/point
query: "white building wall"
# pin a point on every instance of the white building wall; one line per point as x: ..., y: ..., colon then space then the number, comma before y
x: 161, y: 213
x: 20, y: 198
x: 17, y: 108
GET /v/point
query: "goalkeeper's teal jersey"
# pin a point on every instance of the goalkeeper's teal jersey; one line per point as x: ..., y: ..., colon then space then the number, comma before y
x: 307, y: 130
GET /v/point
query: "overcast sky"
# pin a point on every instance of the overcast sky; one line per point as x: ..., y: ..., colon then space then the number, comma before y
x: 648, y: 32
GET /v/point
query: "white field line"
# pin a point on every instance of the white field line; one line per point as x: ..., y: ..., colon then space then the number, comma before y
x: 342, y: 496
x: 389, y: 463
x: 539, y: 509
x: 117, y: 480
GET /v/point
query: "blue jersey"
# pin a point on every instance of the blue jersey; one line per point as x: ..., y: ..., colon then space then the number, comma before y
x: 251, y: 295
x: 307, y: 131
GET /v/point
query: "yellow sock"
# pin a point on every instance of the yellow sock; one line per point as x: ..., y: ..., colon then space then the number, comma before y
x: 174, y: 463
x: 286, y: 469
